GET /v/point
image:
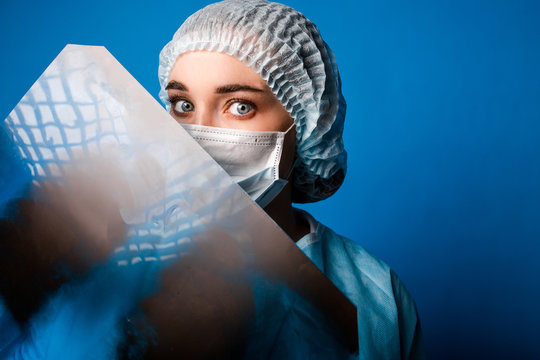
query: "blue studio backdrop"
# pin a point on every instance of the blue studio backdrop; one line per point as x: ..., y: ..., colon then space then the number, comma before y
x: 442, y: 131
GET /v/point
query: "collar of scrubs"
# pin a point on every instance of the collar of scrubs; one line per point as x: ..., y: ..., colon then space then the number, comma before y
x: 313, y: 235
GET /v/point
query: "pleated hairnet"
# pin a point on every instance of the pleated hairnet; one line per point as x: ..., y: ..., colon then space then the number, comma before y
x: 287, y: 51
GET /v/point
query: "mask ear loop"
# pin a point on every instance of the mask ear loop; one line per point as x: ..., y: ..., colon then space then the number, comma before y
x: 296, y: 157
x: 296, y: 161
x: 289, y: 129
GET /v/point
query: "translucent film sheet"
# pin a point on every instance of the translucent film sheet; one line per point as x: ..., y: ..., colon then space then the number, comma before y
x: 121, y: 238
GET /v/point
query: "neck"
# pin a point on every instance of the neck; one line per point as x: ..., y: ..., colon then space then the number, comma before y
x: 282, y: 212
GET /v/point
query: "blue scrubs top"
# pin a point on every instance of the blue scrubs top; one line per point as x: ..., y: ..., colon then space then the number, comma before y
x: 388, y: 323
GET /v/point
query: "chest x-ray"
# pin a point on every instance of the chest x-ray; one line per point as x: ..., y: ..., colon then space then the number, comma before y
x: 122, y: 238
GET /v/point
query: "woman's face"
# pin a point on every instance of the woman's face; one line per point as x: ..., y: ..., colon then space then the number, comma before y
x: 215, y: 89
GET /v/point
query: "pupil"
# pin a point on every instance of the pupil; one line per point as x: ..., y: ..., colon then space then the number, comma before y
x: 186, y: 106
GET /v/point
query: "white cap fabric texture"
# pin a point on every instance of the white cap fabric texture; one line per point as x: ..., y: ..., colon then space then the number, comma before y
x: 287, y: 51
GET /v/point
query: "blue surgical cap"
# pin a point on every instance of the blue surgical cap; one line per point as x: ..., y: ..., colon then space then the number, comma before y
x: 287, y: 51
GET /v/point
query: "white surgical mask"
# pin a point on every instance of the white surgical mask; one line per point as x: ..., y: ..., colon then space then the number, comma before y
x: 251, y: 158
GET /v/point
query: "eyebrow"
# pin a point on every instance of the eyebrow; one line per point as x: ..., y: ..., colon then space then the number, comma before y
x: 176, y: 86
x: 236, y: 87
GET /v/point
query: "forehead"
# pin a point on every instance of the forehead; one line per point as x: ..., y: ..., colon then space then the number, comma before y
x: 205, y: 66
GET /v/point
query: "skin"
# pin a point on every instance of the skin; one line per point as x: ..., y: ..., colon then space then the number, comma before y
x: 214, y: 89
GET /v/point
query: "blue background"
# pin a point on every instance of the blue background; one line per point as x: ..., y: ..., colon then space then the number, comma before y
x: 442, y: 130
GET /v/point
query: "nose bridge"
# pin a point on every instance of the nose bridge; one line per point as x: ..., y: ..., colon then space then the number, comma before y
x: 204, y: 115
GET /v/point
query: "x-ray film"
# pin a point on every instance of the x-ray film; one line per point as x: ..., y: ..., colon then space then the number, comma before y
x: 121, y: 238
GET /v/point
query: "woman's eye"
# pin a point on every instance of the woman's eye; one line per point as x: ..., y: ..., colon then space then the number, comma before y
x: 183, y: 106
x: 240, y: 108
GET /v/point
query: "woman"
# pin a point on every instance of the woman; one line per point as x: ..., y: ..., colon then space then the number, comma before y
x: 237, y: 68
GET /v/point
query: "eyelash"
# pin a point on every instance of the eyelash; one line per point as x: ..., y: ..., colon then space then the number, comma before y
x: 253, y: 107
x: 174, y: 99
